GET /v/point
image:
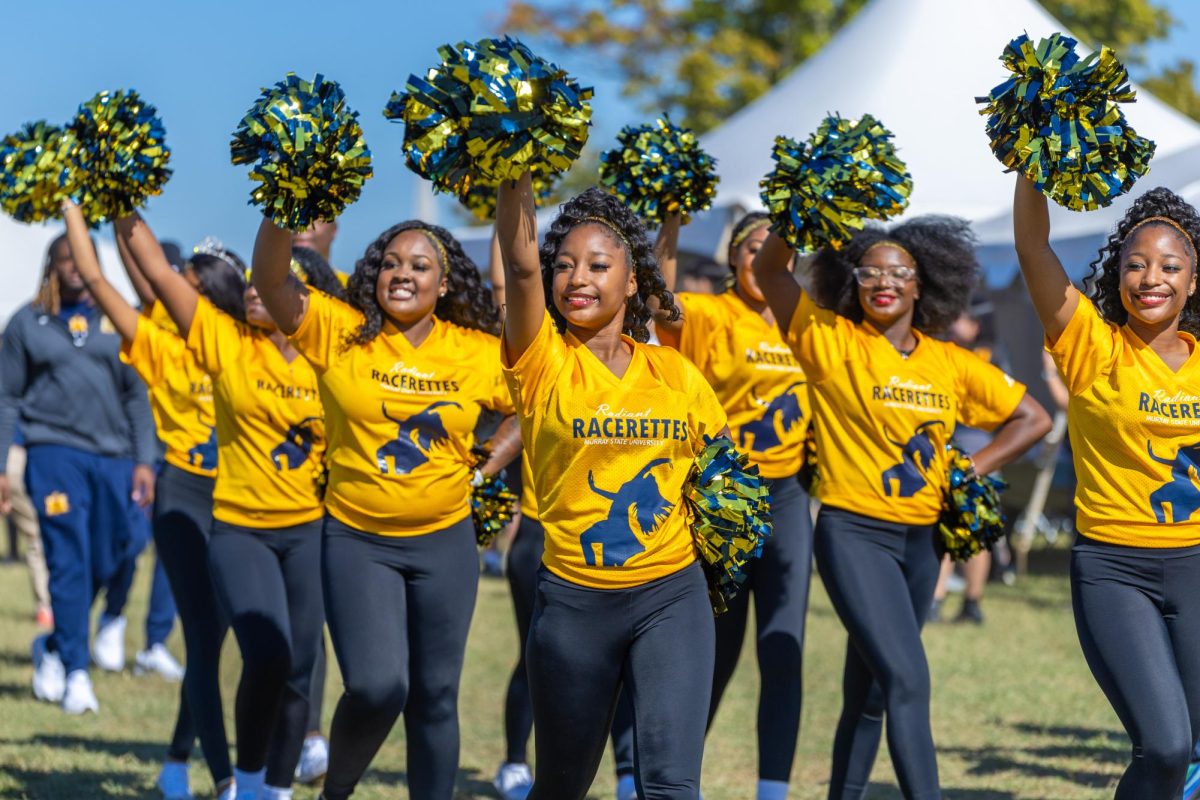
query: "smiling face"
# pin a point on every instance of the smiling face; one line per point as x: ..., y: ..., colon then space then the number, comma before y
x: 891, y: 294
x: 1157, y: 275
x: 592, y: 277
x: 411, y: 278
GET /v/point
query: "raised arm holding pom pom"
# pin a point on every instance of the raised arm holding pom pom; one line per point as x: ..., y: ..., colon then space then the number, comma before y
x: 122, y: 315
x: 1129, y: 362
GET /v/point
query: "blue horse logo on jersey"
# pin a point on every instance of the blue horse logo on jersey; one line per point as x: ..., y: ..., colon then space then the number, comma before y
x: 415, y: 437
x: 784, y: 411
x: 614, y: 533
x: 1181, y: 492
x: 204, y: 455
x: 916, y: 456
x: 296, y: 446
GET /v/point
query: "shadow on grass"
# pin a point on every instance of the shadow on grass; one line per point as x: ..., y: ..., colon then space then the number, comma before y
x: 150, y: 752
x: 883, y: 791
x: 80, y: 785
x: 469, y: 783
x: 14, y: 658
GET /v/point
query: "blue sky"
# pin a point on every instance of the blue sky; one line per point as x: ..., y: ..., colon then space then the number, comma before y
x: 202, y: 65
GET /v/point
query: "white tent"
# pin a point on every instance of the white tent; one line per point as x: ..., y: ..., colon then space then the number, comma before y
x: 917, y: 66
x: 23, y: 254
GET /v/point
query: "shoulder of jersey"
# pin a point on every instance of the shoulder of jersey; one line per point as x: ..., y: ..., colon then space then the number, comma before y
x: 472, y: 337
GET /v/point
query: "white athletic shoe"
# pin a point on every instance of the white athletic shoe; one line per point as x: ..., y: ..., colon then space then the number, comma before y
x: 513, y: 781
x: 108, y: 648
x: 79, y: 696
x: 158, y: 659
x: 173, y: 781
x: 229, y: 792
x: 49, y: 675
x: 276, y: 793
x: 314, y: 760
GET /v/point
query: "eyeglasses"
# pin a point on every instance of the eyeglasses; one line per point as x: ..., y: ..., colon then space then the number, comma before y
x: 873, y: 276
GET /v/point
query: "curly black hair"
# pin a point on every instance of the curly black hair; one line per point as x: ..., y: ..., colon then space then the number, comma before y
x: 467, y: 302
x: 222, y: 280
x: 595, y: 203
x: 1104, y: 280
x: 947, y: 269
x: 320, y: 275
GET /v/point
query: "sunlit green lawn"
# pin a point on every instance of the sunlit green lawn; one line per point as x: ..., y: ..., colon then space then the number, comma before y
x: 1015, y: 712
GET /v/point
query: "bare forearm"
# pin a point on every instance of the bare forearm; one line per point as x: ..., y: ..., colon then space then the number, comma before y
x: 285, y: 300
x: 110, y: 301
x: 1025, y: 428
x: 775, y: 280
x: 505, y: 446
x: 141, y: 286
x: 172, y: 289
x: 1050, y: 290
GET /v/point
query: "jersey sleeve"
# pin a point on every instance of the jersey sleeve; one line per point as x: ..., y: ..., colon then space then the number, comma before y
x: 497, y: 396
x: 214, y: 338
x: 531, y: 378
x: 1085, y: 349
x: 151, y: 350
x: 699, y: 322
x: 326, y: 323
x: 987, y: 395
x: 817, y: 337
x: 706, y: 416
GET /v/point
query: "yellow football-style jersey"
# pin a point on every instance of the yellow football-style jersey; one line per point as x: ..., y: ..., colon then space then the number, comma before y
x: 610, y: 456
x: 181, y: 395
x: 528, y: 495
x: 270, y: 424
x: 400, y: 419
x: 754, y: 375
x: 1135, y: 434
x: 882, y: 420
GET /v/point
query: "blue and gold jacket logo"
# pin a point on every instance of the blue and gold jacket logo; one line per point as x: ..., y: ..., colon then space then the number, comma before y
x: 612, y: 541
x: 916, y: 456
x: 415, y: 437
x: 782, y: 412
x: 1181, y: 492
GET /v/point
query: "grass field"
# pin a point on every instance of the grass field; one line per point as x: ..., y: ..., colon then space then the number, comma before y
x: 1015, y: 712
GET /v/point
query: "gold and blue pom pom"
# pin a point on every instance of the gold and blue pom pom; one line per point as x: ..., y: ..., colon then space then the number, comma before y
x: 122, y: 155
x: 490, y: 111
x: 479, y: 197
x: 35, y: 171
x: 730, y: 507
x: 823, y: 190
x: 1058, y: 121
x: 307, y: 150
x: 972, y: 519
x: 658, y: 170
x: 492, y: 502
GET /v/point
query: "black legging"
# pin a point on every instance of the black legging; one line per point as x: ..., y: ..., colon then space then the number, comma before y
x: 524, y: 559
x: 399, y: 611
x: 182, y: 523
x: 779, y: 581
x: 658, y: 640
x: 269, y: 580
x: 1137, y: 612
x: 880, y: 578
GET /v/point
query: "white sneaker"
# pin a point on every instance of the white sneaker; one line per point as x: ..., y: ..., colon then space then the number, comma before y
x: 108, y: 648
x: 513, y: 781
x: 79, y: 696
x: 314, y: 760
x: 229, y: 792
x: 49, y: 675
x: 158, y: 659
x: 173, y: 781
x: 275, y: 793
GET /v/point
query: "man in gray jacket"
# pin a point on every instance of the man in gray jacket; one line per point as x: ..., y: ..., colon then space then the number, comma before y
x: 90, y: 439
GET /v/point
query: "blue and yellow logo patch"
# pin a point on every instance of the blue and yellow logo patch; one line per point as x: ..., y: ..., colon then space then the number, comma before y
x: 57, y: 504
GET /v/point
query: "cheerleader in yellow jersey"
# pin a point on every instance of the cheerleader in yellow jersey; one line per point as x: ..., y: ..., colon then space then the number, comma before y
x: 181, y: 399
x: 264, y: 550
x: 885, y: 397
x: 611, y: 427
x: 733, y: 339
x: 1129, y: 359
x: 404, y: 368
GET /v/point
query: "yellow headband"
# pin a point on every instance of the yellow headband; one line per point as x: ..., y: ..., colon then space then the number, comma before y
x: 1165, y: 221
x: 612, y: 227
x: 745, y: 232
x: 437, y: 243
x: 890, y: 243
